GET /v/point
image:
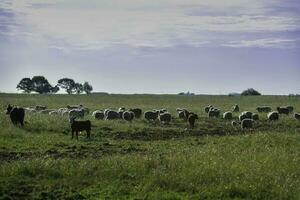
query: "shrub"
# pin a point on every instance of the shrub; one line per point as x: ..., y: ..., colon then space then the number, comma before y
x: 250, y: 92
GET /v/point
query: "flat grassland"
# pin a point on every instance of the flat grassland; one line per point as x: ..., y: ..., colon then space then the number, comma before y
x: 139, y: 160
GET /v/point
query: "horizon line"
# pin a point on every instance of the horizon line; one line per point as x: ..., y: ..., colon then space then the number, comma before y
x: 107, y: 93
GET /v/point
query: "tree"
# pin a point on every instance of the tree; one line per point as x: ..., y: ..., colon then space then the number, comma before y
x: 41, y: 85
x: 68, y: 84
x: 250, y: 92
x: 26, y: 85
x: 78, y: 88
x: 54, y: 89
x: 87, y: 87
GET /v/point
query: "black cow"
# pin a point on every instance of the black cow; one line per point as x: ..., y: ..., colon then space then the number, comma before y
x: 16, y: 115
x: 78, y: 126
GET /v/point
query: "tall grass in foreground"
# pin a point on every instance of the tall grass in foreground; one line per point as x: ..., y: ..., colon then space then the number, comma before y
x: 262, y: 166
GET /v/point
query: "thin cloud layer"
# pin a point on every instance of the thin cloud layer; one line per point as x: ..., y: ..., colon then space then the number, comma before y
x: 101, y: 24
x: 264, y: 43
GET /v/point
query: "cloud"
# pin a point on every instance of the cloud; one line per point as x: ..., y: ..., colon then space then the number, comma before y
x: 7, y: 22
x: 264, y: 43
x: 102, y: 24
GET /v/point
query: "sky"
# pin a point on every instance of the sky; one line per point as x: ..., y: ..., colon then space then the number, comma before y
x: 158, y: 46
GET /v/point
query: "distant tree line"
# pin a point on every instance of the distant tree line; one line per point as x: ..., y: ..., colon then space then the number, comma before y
x: 250, y: 92
x: 41, y: 85
x: 72, y: 87
x: 186, y: 93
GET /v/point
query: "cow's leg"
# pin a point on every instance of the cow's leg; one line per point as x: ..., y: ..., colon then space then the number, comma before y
x: 88, y: 134
x: 77, y: 135
x: 72, y: 134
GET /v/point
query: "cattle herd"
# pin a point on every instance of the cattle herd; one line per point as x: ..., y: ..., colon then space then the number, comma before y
x: 245, y: 120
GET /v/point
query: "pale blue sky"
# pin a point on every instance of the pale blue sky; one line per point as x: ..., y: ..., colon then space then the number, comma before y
x: 160, y: 46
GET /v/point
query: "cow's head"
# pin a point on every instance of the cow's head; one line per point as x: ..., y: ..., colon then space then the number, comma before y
x: 8, y: 109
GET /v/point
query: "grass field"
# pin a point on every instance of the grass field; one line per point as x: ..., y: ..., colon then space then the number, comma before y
x: 139, y: 160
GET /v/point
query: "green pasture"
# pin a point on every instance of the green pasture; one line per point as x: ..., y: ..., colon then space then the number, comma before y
x: 142, y: 160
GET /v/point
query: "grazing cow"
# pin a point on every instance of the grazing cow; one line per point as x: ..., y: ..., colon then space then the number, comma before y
x: 78, y: 126
x: 16, y: 115
x: 98, y: 114
x: 236, y: 108
x: 39, y: 107
x: 183, y: 113
x: 297, y: 116
x: 208, y: 108
x: 111, y: 115
x: 283, y: 110
x: 165, y: 117
x: 128, y: 116
x: 247, y: 123
x: 192, y: 118
x: 179, y: 109
x: 137, y: 112
x: 245, y: 115
x: 81, y: 107
x: 227, y: 115
x: 273, y: 116
x: 214, y: 113
x: 151, y: 115
x: 122, y: 109
x: 265, y: 109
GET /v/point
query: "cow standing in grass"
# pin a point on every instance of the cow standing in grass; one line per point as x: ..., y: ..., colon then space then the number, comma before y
x: 16, y: 115
x: 78, y: 126
x: 191, y: 119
